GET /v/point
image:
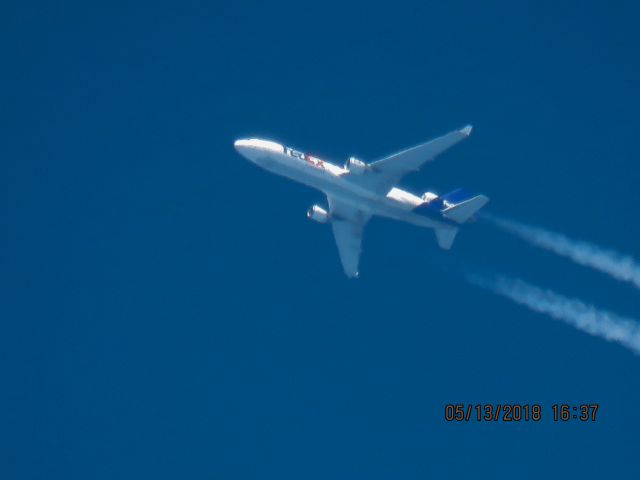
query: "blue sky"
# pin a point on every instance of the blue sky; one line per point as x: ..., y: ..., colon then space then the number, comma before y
x: 169, y: 311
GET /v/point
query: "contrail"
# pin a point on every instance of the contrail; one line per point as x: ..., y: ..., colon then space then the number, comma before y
x: 583, y: 316
x: 619, y: 266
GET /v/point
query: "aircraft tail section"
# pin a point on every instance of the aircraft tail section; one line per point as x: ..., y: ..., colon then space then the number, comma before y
x: 450, y: 210
x: 465, y: 209
x: 446, y: 235
x: 458, y: 206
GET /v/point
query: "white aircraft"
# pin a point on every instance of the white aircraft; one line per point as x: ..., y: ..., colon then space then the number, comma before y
x: 359, y: 190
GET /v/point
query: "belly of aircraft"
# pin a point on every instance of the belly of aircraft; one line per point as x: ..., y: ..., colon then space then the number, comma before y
x: 349, y: 192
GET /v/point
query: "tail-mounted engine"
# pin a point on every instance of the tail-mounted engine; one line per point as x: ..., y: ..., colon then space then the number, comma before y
x: 318, y: 214
x: 428, y: 197
x: 355, y: 166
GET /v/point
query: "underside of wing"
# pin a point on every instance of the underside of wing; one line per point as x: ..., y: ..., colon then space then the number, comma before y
x: 348, y: 223
x: 387, y: 172
x: 349, y: 240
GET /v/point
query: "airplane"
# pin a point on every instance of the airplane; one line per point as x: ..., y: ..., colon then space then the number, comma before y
x: 357, y: 191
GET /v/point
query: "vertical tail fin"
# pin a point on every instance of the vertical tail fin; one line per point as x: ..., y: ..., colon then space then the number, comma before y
x: 458, y: 206
x: 445, y: 236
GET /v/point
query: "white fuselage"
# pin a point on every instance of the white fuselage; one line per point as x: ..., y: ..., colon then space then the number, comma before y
x: 334, y: 181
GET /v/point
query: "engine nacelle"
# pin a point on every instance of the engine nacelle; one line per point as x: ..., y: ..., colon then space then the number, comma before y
x: 318, y: 214
x: 428, y: 197
x: 355, y: 166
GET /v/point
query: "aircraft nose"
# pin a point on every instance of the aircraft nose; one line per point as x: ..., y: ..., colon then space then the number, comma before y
x: 243, y: 147
x: 240, y: 145
x: 256, y: 149
x: 246, y: 149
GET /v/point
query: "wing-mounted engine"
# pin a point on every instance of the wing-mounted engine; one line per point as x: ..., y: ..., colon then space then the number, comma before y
x: 355, y: 166
x: 318, y: 214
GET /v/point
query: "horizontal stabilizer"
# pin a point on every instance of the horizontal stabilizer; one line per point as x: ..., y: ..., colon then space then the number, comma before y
x: 445, y: 236
x: 463, y: 211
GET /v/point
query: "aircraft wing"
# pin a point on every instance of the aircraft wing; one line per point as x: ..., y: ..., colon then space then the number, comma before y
x: 387, y: 172
x: 348, y: 223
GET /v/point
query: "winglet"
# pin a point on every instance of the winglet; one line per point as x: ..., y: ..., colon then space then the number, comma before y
x: 466, y: 130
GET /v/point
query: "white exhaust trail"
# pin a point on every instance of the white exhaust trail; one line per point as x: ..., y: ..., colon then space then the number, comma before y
x: 585, y: 317
x: 619, y: 266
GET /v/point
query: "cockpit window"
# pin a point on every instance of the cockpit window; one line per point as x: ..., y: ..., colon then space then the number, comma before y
x: 266, y: 145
